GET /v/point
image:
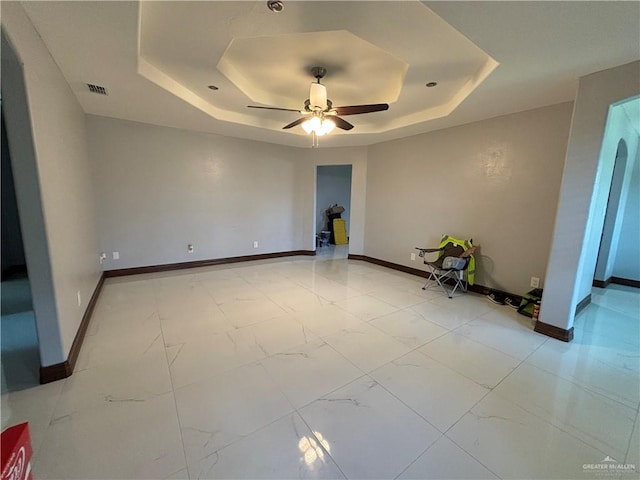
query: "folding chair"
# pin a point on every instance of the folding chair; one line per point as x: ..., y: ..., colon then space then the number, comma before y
x: 455, y: 258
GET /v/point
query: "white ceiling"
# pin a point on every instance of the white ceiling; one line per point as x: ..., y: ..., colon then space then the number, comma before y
x: 156, y: 60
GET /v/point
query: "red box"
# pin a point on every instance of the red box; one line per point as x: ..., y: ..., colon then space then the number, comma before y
x: 15, y: 445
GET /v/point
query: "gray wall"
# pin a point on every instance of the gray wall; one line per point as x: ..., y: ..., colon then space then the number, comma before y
x: 495, y: 181
x: 159, y: 189
x: 333, y: 186
x: 53, y: 186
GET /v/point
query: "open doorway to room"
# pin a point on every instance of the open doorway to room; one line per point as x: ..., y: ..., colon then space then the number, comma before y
x: 608, y: 240
x: 333, y: 194
x: 19, y: 350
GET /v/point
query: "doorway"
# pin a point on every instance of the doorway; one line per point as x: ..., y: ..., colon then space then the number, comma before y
x: 333, y: 189
x: 608, y: 240
x: 19, y: 349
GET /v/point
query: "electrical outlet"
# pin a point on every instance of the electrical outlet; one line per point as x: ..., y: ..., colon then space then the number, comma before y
x: 116, y: 255
x: 255, y: 244
x: 535, y: 282
x: 79, y: 298
x: 189, y: 248
x: 413, y: 256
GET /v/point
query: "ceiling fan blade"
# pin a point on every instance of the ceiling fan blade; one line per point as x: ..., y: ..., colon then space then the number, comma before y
x: 274, y: 108
x: 294, y: 123
x: 358, y: 109
x: 340, y: 123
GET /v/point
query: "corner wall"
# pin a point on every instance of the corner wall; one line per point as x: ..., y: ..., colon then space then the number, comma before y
x: 46, y: 134
x: 580, y: 212
x: 495, y: 181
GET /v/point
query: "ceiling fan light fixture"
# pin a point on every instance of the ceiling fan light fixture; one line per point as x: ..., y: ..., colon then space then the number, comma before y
x: 318, y: 96
x: 327, y: 126
x: 312, y: 125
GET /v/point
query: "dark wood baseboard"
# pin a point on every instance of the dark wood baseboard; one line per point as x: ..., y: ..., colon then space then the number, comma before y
x: 583, y: 304
x: 167, y: 267
x: 626, y: 281
x: 62, y: 370
x: 51, y: 373
x: 601, y: 283
x: 481, y: 289
x: 544, y: 328
x: 618, y: 281
x: 394, y: 266
x: 553, y: 331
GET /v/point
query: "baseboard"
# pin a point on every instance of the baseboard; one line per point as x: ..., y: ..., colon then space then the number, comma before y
x: 553, y: 331
x: 394, y: 266
x: 583, y: 304
x: 62, y: 370
x: 626, y: 281
x: 167, y: 267
x: 481, y: 289
x: 601, y: 283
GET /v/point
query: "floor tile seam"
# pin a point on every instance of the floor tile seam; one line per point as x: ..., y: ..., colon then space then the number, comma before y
x: 583, y: 437
x: 489, y: 391
x: 466, y: 322
x: 173, y: 393
x: 363, y: 373
x: 36, y: 452
x: 518, y: 331
x: 478, y: 342
x: 368, y: 322
x: 384, y: 387
x: 219, y: 373
x: 366, y: 375
x: 471, y: 455
x: 456, y: 371
x: 313, y: 432
x: 413, y: 349
x: 605, y: 336
x: 418, y: 457
x: 603, y: 392
x: 628, y: 452
x: 581, y: 386
x: 259, y: 361
x: 446, y: 433
x: 522, y: 408
x: 240, y: 438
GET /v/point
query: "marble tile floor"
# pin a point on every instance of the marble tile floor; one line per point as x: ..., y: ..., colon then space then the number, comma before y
x: 330, y: 368
x: 19, y: 355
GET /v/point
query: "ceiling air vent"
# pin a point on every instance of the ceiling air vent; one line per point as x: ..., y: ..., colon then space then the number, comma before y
x: 97, y: 89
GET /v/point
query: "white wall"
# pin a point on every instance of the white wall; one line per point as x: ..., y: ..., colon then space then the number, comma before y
x: 627, y: 260
x: 160, y: 189
x: 64, y: 246
x: 333, y: 187
x: 495, y: 181
x: 580, y: 212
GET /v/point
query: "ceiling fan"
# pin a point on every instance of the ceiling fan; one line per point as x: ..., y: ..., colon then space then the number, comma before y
x: 320, y: 116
